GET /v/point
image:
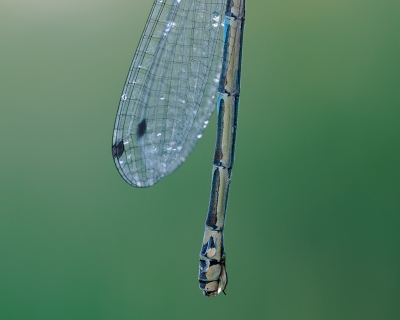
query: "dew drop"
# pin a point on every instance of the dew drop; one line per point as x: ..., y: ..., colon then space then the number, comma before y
x: 216, y: 17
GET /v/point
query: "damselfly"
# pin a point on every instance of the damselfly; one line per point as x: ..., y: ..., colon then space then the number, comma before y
x: 188, y: 61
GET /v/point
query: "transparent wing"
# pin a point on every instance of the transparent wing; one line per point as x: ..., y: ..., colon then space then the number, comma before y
x: 171, y: 89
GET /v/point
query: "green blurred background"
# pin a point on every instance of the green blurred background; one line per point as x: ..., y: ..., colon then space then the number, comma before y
x: 313, y: 224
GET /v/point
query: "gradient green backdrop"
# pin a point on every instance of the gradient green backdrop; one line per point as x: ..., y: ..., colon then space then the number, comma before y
x: 313, y: 223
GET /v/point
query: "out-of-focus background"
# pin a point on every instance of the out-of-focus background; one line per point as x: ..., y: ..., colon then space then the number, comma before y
x: 313, y: 222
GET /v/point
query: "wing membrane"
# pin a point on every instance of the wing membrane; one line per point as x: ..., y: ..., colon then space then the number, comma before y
x: 171, y: 89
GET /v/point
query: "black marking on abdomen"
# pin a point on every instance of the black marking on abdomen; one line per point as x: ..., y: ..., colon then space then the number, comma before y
x: 203, y: 285
x: 205, y: 247
x: 214, y: 262
x: 118, y: 149
x: 218, y: 155
x: 141, y: 128
x: 212, y: 216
